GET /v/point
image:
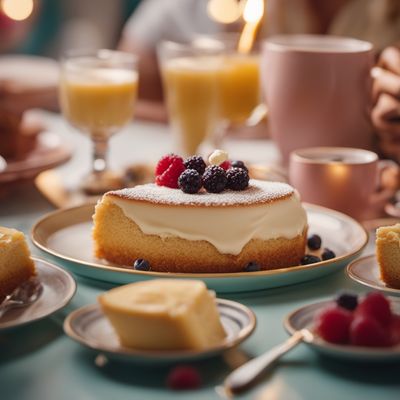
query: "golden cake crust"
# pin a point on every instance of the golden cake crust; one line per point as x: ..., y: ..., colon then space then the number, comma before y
x: 120, y: 240
x: 388, y: 254
x: 16, y: 265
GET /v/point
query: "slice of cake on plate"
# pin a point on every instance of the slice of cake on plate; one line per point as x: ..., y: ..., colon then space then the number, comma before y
x: 388, y: 254
x: 16, y: 265
x: 164, y: 314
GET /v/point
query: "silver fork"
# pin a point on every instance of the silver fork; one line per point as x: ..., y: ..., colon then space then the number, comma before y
x: 25, y: 294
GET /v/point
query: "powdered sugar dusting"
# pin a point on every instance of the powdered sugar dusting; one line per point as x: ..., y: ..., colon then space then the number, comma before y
x: 257, y: 192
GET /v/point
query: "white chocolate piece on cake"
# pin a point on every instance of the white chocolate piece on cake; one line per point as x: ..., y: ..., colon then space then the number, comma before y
x: 164, y: 314
x: 388, y: 254
x: 16, y: 266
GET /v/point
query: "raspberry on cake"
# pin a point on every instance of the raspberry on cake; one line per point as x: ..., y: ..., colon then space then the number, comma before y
x: 388, y: 254
x: 204, y: 232
x: 16, y: 265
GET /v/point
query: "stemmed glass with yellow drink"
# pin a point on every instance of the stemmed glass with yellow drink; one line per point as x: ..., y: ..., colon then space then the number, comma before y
x: 208, y: 86
x: 98, y: 92
x: 239, y: 78
x: 190, y: 77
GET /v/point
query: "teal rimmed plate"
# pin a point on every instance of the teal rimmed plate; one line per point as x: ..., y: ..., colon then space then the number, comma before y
x: 90, y: 327
x: 65, y: 236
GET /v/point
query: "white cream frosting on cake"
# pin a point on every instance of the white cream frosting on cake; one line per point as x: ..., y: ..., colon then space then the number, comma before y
x: 228, y: 220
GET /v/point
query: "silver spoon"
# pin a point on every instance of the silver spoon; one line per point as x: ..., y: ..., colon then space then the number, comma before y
x: 242, y: 377
x: 25, y: 294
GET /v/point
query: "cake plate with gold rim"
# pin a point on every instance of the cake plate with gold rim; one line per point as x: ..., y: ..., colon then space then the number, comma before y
x: 65, y: 237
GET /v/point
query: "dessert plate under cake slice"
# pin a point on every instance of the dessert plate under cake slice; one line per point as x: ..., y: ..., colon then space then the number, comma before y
x: 365, y: 270
x: 66, y: 235
x: 58, y: 289
x: 90, y: 327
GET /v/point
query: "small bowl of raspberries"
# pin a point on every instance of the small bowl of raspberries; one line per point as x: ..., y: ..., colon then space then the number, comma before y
x: 194, y: 175
x: 352, y: 327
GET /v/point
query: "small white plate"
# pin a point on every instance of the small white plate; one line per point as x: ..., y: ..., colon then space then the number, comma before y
x: 58, y: 289
x: 365, y: 270
x: 90, y: 327
x: 303, y: 318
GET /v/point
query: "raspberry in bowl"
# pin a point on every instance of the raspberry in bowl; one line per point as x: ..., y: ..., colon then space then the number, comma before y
x: 351, y: 327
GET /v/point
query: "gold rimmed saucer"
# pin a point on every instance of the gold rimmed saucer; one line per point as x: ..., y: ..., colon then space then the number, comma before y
x: 365, y: 271
x: 90, y: 327
x: 65, y: 235
x: 58, y: 289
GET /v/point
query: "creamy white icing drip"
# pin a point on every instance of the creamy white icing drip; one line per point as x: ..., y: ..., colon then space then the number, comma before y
x: 228, y: 228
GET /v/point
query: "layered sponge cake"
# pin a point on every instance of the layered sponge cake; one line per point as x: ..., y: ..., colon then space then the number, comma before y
x: 204, y: 232
x: 16, y: 266
x: 164, y: 314
x: 388, y: 254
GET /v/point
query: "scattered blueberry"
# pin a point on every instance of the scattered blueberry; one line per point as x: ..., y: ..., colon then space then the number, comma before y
x: 349, y: 301
x: 197, y: 163
x: 314, y: 242
x: 214, y: 179
x: 189, y: 181
x: 252, y: 267
x: 238, y: 178
x: 239, y: 164
x: 141, y: 265
x: 309, y: 259
x: 327, y: 254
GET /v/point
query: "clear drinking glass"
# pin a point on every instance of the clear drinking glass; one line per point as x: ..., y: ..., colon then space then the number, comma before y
x: 239, y: 78
x: 98, y: 92
x: 190, y: 78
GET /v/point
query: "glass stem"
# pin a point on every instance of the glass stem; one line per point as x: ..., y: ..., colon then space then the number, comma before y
x: 100, y: 147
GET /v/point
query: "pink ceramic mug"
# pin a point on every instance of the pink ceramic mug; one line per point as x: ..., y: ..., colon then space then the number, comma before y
x: 342, y: 178
x: 317, y: 89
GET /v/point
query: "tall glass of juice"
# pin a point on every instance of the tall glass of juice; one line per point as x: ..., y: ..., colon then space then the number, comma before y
x: 238, y: 78
x: 98, y: 93
x: 190, y: 78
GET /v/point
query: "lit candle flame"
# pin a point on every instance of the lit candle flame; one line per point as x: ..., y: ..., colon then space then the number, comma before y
x: 252, y: 14
x: 18, y: 10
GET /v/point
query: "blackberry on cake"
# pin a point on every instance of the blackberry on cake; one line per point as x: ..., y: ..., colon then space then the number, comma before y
x: 238, y: 179
x: 190, y: 181
x: 214, y: 179
x: 197, y: 163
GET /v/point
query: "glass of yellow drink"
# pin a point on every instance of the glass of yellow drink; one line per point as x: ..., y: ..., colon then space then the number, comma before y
x: 238, y: 79
x: 190, y: 78
x: 240, y: 87
x: 98, y: 92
